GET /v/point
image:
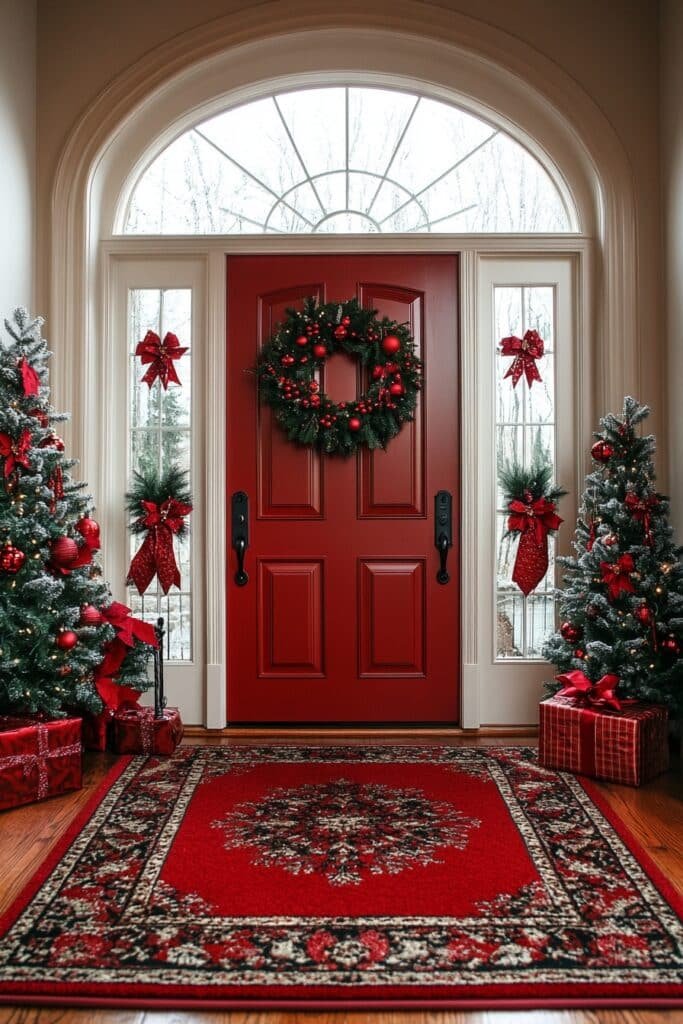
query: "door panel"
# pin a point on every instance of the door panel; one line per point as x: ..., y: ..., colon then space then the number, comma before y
x: 342, y: 619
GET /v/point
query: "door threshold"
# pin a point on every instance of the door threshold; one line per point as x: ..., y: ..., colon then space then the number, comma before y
x: 403, y: 732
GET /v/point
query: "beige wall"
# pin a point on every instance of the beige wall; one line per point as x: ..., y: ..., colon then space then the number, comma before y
x: 609, y: 46
x: 18, y: 152
x: 672, y: 211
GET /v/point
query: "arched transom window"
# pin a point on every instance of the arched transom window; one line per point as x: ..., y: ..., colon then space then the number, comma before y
x: 345, y: 160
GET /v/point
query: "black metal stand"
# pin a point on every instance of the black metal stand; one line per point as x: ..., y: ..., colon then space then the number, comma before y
x: 159, y: 698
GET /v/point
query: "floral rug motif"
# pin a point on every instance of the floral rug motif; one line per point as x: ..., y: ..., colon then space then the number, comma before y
x: 345, y: 876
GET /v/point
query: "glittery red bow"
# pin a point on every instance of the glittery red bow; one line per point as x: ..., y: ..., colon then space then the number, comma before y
x: 156, y: 556
x: 533, y: 520
x: 601, y: 694
x: 526, y: 351
x: 641, y: 509
x: 160, y: 356
x: 539, y: 516
x: 616, y: 576
x: 15, y: 453
x: 30, y: 380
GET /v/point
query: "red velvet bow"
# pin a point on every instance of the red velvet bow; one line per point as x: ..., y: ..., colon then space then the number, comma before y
x: 29, y: 378
x: 616, y: 575
x: 601, y: 694
x: 160, y: 355
x: 15, y: 452
x: 526, y: 351
x: 539, y: 516
x: 127, y: 627
x: 156, y: 556
x: 641, y: 510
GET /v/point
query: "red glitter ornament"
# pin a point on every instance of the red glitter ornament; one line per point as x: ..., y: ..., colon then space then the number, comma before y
x: 602, y: 451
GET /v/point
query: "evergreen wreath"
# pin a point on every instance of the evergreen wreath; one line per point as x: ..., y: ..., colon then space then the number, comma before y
x: 298, y: 349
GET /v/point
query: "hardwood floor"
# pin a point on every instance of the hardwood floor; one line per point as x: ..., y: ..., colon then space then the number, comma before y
x: 654, y: 813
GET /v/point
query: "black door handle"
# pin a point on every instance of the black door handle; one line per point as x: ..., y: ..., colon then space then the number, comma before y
x: 443, y: 532
x: 240, y: 534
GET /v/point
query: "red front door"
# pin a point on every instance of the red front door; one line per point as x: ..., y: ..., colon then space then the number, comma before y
x: 342, y: 619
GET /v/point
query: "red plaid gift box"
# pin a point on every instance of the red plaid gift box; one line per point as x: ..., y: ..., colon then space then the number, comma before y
x: 628, y: 746
x: 38, y: 759
x: 97, y: 729
x: 137, y: 731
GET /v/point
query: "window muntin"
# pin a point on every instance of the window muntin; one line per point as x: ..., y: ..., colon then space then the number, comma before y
x: 525, y: 425
x: 160, y: 437
x: 341, y: 160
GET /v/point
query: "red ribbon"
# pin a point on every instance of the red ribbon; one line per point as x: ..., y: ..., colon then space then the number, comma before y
x: 534, y: 520
x: 29, y: 378
x: 641, y: 510
x: 115, y: 696
x: 616, y: 576
x: 156, y: 556
x: 160, y: 355
x: 526, y: 351
x: 128, y: 630
x: 600, y: 695
x: 15, y: 452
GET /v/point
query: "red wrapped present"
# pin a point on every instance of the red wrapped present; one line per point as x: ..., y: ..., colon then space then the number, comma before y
x: 137, y: 731
x: 97, y: 729
x: 629, y: 745
x: 38, y: 759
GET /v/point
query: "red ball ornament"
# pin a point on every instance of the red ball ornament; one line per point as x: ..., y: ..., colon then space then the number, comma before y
x: 340, y: 332
x: 377, y: 372
x: 63, y: 552
x: 319, y: 351
x: 287, y: 360
x: 391, y: 344
x: 90, y: 531
x: 346, y: 320
x: 301, y: 340
x: 313, y: 386
x: 354, y: 423
x: 670, y: 645
x: 11, y: 559
x: 643, y: 614
x: 396, y: 389
x: 602, y: 451
x: 90, y: 615
x: 578, y: 653
x: 609, y: 539
x: 570, y: 632
x: 66, y: 640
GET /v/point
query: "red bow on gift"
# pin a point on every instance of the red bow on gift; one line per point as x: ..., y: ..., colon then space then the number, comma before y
x: 15, y: 452
x: 160, y: 355
x: 601, y: 694
x: 534, y: 520
x: 641, y: 509
x: 156, y: 556
x: 526, y: 351
x: 616, y: 576
x: 29, y: 378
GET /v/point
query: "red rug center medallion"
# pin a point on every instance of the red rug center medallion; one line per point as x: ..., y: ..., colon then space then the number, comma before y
x: 374, y: 876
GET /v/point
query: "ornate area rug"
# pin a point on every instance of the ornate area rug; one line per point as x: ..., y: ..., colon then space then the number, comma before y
x: 344, y: 876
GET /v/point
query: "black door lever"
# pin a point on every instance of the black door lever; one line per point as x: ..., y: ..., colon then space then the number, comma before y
x: 240, y: 534
x: 443, y: 532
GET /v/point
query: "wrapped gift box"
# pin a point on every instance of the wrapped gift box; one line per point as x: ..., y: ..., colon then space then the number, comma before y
x: 137, y: 731
x: 628, y: 746
x: 38, y: 759
x: 97, y: 730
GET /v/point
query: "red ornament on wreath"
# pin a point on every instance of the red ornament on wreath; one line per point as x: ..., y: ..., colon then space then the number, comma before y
x: 602, y: 451
x: 66, y: 640
x: 11, y: 559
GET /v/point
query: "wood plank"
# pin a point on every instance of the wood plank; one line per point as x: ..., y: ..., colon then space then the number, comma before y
x: 654, y: 813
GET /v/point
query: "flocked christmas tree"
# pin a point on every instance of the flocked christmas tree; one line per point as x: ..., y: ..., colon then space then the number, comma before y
x: 58, y: 623
x: 622, y: 604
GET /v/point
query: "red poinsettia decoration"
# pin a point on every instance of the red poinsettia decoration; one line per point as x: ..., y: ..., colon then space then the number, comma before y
x: 526, y: 351
x: 160, y: 355
x: 601, y: 694
x: 641, y: 509
x: 617, y: 576
x: 15, y: 453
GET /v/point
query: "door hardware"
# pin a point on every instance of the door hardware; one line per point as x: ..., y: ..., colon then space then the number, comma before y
x: 443, y: 531
x: 240, y: 534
